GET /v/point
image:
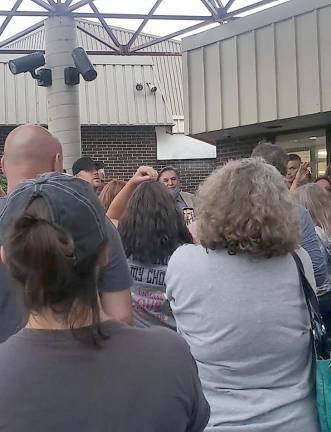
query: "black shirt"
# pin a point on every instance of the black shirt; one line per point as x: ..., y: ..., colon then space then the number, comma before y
x: 142, y: 380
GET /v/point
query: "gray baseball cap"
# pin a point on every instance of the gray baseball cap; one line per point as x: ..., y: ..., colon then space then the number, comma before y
x: 72, y: 204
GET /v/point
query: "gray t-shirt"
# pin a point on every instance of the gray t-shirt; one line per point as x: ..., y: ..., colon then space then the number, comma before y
x: 115, y: 277
x: 149, y: 302
x: 142, y: 380
x: 247, y: 325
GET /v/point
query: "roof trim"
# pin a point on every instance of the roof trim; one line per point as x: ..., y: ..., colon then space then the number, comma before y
x: 103, y: 60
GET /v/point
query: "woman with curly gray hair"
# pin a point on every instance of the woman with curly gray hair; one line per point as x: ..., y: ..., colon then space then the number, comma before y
x: 238, y: 302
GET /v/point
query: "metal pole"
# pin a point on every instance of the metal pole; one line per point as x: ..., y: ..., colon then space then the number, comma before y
x: 62, y: 100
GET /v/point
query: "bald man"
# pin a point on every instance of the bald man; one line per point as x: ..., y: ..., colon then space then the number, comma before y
x: 31, y: 150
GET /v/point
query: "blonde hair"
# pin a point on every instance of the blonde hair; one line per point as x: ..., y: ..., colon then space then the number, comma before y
x: 245, y: 206
x: 109, y: 192
x: 318, y: 202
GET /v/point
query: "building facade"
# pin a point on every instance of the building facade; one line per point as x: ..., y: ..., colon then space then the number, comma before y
x: 123, y: 122
x: 263, y: 77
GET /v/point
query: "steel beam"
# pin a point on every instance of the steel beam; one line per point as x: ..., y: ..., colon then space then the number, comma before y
x: 98, y: 39
x: 229, y: 4
x: 79, y: 5
x: 219, y: 3
x: 211, y: 8
x: 142, y: 25
x: 19, y: 51
x: 169, y: 36
x: 9, y: 17
x: 25, y: 13
x: 114, y: 15
x: 248, y: 8
x: 44, y: 5
x: 143, y: 16
x: 144, y: 53
x: 96, y: 53
x: 104, y: 23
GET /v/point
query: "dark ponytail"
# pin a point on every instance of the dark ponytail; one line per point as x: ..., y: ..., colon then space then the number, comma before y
x: 40, y: 257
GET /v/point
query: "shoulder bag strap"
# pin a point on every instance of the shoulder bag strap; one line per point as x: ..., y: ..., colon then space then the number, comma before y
x: 311, y: 298
x: 319, y: 345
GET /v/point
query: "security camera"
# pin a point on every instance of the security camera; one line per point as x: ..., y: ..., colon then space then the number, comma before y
x: 139, y: 87
x: 30, y: 63
x: 83, y: 64
x: 152, y: 87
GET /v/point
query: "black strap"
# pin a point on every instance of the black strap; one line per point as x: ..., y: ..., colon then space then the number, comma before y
x: 311, y: 298
x: 319, y: 347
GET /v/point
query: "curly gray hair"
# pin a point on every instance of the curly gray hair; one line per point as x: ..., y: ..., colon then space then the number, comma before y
x: 245, y: 206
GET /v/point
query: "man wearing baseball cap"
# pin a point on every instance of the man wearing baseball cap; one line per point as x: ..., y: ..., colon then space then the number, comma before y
x: 31, y: 150
x: 87, y: 169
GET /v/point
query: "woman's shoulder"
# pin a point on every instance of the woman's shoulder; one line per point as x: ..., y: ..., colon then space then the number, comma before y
x: 188, y: 251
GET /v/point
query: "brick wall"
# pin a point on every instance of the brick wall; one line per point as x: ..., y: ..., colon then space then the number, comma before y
x: 4, y: 131
x: 235, y: 149
x: 124, y: 148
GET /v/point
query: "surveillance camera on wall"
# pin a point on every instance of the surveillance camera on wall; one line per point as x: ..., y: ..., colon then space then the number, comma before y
x: 83, y: 64
x: 30, y: 63
x: 152, y: 87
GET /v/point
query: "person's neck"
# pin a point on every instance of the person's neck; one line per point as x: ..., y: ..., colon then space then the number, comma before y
x: 15, y: 181
x: 19, y: 177
x: 47, y: 320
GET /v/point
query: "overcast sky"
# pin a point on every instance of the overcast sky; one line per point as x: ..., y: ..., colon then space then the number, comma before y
x: 156, y: 27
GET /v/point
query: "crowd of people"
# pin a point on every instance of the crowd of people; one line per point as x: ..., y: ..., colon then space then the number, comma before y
x: 137, y: 306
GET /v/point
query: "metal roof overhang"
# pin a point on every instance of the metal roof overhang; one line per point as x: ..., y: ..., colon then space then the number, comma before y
x: 270, y: 74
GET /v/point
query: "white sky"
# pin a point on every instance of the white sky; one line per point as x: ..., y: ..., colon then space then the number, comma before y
x: 157, y: 27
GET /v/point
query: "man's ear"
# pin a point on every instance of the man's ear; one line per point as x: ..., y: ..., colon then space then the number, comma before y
x: 58, y: 163
x: 3, y: 165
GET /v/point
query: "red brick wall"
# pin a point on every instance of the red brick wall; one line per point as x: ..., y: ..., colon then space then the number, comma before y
x: 124, y: 148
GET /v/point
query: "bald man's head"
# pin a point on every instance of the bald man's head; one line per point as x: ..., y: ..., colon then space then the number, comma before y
x: 30, y: 150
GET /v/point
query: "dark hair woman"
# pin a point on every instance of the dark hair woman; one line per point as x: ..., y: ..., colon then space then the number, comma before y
x: 151, y: 228
x: 71, y: 369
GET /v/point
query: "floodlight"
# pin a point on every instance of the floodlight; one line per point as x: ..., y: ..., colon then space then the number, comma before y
x: 83, y: 64
x: 30, y: 63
